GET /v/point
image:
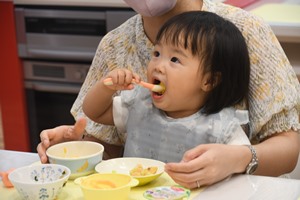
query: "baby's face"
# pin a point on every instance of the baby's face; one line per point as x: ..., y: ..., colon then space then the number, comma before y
x: 180, y: 72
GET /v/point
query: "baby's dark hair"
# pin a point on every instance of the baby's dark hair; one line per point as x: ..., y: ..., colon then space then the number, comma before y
x: 222, y: 50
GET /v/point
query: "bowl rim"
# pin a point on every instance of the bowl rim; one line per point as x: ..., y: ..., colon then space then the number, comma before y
x: 39, y: 183
x: 104, y: 189
x: 133, y: 158
x: 77, y: 158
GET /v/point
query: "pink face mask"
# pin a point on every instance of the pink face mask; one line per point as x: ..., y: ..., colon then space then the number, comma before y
x: 151, y: 8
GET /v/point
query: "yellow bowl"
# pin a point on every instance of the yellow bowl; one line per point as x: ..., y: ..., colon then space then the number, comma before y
x: 106, y: 186
x: 124, y: 165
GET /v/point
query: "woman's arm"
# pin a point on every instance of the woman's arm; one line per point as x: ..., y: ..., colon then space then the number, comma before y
x: 278, y: 154
x: 211, y: 163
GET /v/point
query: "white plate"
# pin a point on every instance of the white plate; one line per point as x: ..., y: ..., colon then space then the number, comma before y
x: 124, y: 165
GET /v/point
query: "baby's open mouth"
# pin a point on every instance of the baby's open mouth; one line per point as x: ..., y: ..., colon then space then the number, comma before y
x: 160, y: 87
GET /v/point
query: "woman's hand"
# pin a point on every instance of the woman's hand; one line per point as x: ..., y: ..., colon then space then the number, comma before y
x: 208, y: 164
x: 59, y: 134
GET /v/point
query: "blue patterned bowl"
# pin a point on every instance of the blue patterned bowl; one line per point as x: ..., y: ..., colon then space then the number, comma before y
x: 43, y: 181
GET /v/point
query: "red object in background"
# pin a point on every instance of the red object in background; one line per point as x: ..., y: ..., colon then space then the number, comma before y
x: 240, y: 3
x: 12, y: 94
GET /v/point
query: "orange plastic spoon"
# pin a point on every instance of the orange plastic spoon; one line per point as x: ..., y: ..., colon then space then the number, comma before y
x: 152, y: 87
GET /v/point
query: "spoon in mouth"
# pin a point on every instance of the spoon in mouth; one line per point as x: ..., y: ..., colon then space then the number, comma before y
x: 150, y: 86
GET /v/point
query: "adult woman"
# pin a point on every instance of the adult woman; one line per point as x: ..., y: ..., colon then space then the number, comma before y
x: 273, y: 101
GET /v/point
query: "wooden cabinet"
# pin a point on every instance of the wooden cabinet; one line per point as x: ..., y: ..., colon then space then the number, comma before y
x: 12, y: 94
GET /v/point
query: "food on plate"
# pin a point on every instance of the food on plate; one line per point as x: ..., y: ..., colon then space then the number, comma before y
x: 106, y: 186
x: 139, y: 170
x: 98, y: 184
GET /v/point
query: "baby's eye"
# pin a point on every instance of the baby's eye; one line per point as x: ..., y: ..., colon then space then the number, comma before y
x: 174, y: 59
x: 156, y: 54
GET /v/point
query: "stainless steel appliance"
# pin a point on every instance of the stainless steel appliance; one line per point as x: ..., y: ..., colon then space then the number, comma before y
x: 51, y: 88
x: 57, y: 45
x: 67, y: 33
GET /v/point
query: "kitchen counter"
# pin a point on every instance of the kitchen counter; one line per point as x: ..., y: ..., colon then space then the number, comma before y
x: 284, y: 18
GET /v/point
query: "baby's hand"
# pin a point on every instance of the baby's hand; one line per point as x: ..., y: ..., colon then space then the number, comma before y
x: 121, y: 79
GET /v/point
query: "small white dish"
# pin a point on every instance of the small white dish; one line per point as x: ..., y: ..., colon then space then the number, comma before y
x: 124, y: 165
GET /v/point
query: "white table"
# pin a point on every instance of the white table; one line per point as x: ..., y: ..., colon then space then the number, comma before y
x: 238, y: 187
x: 251, y: 187
x: 15, y: 159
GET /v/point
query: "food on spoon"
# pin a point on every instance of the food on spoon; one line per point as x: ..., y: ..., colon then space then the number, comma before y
x: 140, y: 171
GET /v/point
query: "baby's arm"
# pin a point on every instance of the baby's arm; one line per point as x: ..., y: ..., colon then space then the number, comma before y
x: 97, y: 104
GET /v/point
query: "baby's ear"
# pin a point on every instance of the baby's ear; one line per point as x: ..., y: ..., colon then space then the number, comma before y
x: 209, y: 82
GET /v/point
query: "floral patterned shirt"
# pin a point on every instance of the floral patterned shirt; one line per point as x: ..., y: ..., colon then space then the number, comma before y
x: 274, y: 98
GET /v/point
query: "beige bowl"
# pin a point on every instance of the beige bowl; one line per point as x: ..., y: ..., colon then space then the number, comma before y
x: 106, y: 186
x: 80, y: 157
